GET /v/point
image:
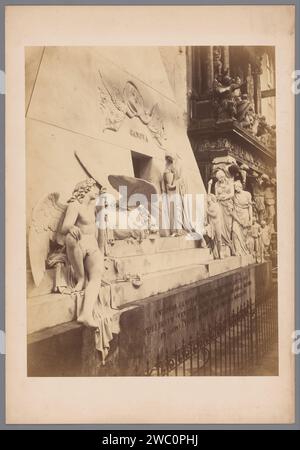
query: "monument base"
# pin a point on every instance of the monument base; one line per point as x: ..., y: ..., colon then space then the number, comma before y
x: 147, y: 326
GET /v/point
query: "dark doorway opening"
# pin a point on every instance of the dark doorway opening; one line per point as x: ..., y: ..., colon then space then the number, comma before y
x: 141, y: 165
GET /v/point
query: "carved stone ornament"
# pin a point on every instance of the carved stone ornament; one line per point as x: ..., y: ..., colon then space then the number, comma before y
x: 117, y: 104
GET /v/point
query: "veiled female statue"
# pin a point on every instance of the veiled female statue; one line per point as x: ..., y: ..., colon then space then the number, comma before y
x: 242, y: 219
x: 176, y: 217
x: 224, y: 192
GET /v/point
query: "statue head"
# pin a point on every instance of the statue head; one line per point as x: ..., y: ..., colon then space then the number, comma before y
x: 220, y: 175
x: 170, y: 160
x: 265, y: 177
x: 88, y: 187
x: 238, y: 187
x: 263, y: 223
x: 227, y: 80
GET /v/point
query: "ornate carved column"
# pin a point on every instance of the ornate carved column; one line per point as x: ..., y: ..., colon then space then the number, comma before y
x: 225, y: 52
x: 209, y: 63
x: 257, y: 91
x: 257, y: 70
x: 250, y: 83
x: 197, y: 71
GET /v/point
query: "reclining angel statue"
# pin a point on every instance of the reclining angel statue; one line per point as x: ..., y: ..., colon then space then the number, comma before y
x: 71, y: 229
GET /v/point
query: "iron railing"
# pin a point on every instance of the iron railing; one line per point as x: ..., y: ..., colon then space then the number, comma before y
x: 233, y: 344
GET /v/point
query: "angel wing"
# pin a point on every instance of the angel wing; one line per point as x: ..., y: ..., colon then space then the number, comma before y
x: 46, y: 219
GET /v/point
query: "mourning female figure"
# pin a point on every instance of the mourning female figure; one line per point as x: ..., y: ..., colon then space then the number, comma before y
x: 242, y: 219
x: 224, y: 192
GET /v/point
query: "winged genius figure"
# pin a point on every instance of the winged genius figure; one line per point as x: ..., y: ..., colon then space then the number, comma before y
x: 73, y: 226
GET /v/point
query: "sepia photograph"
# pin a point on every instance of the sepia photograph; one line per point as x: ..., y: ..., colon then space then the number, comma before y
x: 150, y: 215
x: 151, y: 211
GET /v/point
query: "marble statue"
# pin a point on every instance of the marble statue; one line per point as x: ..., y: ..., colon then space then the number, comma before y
x: 81, y: 238
x: 269, y: 199
x: 224, y: 192
x: 256, y: 234
x: 242, y: 218
x: 224, y: 89
x: 250, y: 242
x: 244, y: 171
x: 265, y: 239
x: 214, y: 226
x: 65, y: 238
x: 259, y: 196
x: 225, y: 103
x: 66, y: 235
x: 246, y: 115
x: 262, y: 128
x: 174, y: 210
x: 244, y: 110
x: 217, y: 58
x: 266, y: 134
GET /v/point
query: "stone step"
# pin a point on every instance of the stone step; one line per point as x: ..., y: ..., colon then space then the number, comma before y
x: 142, y: 264
x: 52, y: 309
x: 165, y: 280
x: 49, y: 310
x: 46, y: 311
x: 146, y: 264
x: 149, y: 247
x: 218, y: 266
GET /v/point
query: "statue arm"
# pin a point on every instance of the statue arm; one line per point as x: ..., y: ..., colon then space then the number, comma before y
x: 231, y: 193
x: 70, y: 220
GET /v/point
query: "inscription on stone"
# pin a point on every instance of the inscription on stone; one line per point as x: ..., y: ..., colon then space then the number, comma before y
x: 181, y: 316
x: 162, y: 322
x: 138, y: 135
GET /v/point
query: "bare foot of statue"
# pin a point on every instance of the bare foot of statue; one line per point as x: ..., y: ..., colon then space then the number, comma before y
x: 79, y: 286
